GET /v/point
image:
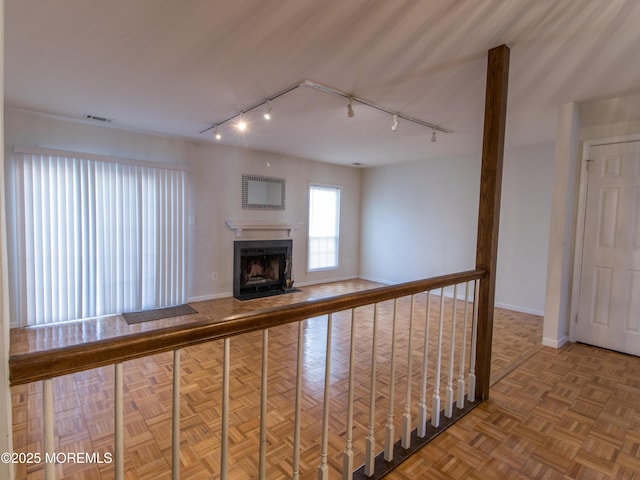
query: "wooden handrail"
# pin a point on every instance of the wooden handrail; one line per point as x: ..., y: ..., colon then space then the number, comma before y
x: 34, y: 366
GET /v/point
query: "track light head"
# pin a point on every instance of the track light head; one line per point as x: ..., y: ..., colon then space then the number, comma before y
x: 433, y: 136
x: 394, y: 125
x: 350, y: 112
x: 216, y: 134
x: 267, y: 113
x: 242, y: 123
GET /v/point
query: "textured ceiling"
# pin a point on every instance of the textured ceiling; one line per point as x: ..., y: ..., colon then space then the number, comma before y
x: 176, y: 67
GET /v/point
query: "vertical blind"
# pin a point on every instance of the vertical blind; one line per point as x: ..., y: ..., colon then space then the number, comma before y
x: 93, y: 236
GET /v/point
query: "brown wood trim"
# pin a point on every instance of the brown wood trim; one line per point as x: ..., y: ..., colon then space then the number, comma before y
x: 489, y: 206
x: 34, y: 366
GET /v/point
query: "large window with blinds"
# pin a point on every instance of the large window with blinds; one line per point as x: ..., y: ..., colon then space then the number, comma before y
x: 324, y: 227
x: 92, y: 235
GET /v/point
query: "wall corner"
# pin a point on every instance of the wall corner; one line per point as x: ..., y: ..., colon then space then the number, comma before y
x: 562, y: 227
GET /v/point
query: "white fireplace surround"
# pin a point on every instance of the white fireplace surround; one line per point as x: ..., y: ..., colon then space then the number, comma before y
x: 239, y: 226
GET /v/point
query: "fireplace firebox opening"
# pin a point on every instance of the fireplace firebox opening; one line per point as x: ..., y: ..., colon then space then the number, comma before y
x: 261, y: 268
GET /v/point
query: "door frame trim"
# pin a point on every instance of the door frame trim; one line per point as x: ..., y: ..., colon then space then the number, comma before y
x: 581, y: 212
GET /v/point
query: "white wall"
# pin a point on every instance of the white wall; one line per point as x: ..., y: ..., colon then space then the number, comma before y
x: 26, y: 129
x: 419, y: 220
x: 215, y: 174
x: 610, y: 131
x: 425, y: 215
x: 562, y: 227
x: 525, y: 211
x: 6, y: 440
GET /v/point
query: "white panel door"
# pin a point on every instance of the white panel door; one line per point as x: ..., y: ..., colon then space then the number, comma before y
x: 609, y: 305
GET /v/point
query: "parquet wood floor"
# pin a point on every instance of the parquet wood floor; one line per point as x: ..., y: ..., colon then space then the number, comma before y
x: 572, y: 413
x: 500, y: 438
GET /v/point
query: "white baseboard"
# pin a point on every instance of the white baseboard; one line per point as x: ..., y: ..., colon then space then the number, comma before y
x: 554, y: 343
x: 204, y: 298
x: 324, y: 280
x: 448, y: 293
x: 516, y: 308
x: 377, y: 280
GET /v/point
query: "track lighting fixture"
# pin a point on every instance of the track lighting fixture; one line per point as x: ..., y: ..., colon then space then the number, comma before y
x: 350, y: 112
x: 394, y: 125
x: 243, y: 126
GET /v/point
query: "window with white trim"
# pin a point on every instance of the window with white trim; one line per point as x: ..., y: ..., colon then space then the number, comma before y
x: 93, y: 236
x: 324, y: 227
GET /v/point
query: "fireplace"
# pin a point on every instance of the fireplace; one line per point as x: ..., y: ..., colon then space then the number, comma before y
x: 261, y: 268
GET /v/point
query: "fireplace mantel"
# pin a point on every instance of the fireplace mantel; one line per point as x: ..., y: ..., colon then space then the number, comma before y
x: 239, y: 226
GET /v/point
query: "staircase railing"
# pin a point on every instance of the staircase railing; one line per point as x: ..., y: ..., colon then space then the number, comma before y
x: 446, y: 371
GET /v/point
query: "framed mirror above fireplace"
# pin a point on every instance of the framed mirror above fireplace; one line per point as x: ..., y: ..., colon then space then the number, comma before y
x: 263, y: 193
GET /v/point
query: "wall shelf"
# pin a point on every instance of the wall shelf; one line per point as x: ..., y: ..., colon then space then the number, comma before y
x: 239, y: 226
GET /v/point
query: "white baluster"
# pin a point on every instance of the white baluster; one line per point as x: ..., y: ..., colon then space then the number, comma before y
x: 370, y: 452
x: 406, y: 417
x: 461, y: 385
x: 474, y: 339
x: 262, y: 467
x: 118, y: 420
x: 47, y: 427
x: 224, y: 441
x: 175, y: 424
x: 347, y: 461
x: 435, y: 409
x: 422, y: 405
x: 323, y: 468
x: 390, y: 429
x: 448, y: 409
x: 296, y: 432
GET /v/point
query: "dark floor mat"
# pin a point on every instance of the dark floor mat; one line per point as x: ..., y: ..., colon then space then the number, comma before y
x: 148, y: 315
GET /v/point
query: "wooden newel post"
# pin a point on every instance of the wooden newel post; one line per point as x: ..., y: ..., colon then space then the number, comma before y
x: 489, y: 207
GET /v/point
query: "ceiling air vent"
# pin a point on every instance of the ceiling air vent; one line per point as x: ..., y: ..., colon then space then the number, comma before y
x: 98, y: 119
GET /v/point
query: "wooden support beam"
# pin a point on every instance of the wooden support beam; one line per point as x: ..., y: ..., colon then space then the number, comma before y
x: 489, y: 206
